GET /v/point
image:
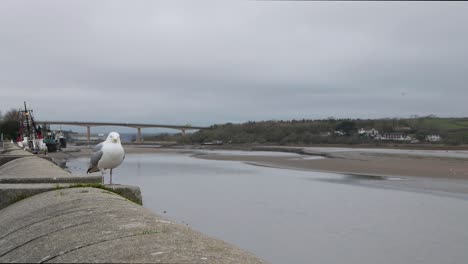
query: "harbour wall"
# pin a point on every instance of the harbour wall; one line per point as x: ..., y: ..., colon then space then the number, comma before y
x: 48, y: 215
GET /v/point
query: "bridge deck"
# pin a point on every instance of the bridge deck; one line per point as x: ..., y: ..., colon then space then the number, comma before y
x: 138, y: 126
x: 134, y: 125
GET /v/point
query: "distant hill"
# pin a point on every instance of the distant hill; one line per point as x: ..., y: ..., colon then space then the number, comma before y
x: 453, y: 131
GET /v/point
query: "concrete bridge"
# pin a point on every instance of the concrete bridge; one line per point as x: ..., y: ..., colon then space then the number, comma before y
x: 138, y: 126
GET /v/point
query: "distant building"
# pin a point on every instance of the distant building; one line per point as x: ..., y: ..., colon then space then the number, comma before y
x: 433, y: 138
x: 394, y: 137
x: 339, y: 133
x: 372, y: 133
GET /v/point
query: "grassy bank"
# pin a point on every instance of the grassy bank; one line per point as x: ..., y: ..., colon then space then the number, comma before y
x: 453, y: 131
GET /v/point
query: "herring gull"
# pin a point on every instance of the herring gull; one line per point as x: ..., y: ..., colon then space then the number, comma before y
x: 107, y: 155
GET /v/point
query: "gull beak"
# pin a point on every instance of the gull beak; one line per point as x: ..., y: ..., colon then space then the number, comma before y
x: 114, y: 140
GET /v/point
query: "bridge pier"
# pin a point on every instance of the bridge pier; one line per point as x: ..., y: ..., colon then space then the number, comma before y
x: 139, y: 135
x: 88, y: 133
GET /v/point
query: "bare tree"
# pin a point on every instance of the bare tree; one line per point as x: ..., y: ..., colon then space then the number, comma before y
x: 11, y: 115
x: 10, y: 124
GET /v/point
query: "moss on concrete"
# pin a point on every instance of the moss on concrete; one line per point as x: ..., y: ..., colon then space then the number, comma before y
x: 119, y: 191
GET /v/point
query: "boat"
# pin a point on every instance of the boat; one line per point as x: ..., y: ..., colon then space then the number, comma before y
x: 29, y: 135
x: 54, y: 140
x: 35, y: 138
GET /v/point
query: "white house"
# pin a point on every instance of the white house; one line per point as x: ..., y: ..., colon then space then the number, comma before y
x: 372, y: 133
x: 433, y: 138
x: 340, y: 133
x: 394, y: 137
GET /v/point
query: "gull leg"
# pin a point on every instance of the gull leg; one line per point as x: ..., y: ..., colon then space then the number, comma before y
x: 102, y: 175
x: 111, y: 176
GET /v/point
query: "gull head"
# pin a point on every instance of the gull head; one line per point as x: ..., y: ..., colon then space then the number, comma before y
x: 113, y: 137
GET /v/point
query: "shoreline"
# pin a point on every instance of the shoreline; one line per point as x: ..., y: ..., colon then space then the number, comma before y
x: 363, y: 163
x: 251, y: 146
x: 433, y: 173
x: 349, y: 161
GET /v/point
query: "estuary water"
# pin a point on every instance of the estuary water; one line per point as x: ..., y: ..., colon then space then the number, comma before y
x: 290, y: 216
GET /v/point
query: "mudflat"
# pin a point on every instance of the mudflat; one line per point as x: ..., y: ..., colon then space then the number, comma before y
x: 348, y: 161
x: 359, y: 162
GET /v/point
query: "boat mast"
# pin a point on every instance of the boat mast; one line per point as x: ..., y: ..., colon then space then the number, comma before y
x: 28, y: 127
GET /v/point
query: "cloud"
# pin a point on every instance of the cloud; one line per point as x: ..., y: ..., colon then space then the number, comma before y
x: 211, y: 62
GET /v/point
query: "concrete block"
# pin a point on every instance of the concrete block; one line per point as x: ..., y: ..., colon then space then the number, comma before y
x: 32, y: 167
x: 94, y: 225
x: 12, y: 193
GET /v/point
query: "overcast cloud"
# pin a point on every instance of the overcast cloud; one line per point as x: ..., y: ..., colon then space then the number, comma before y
x: 216, y: 62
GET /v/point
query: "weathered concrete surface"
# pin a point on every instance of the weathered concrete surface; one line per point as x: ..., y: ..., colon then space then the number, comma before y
x: 94, y: 225
x: 132, y: 193
x: 32, y: 167
x: 12, y: 149
x: 27, y: 175
x: 11, y: 193
x: 11, y: 152
x: 71, y: 179
x: 5, y: 158
x: 29, y: 168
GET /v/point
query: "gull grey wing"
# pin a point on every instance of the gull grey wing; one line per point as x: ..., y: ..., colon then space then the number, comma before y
x: 95, y: 157
x: 98, y: 147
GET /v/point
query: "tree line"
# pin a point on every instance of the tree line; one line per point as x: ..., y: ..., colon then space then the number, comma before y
x: 453, y: 131
x: 9, y: 124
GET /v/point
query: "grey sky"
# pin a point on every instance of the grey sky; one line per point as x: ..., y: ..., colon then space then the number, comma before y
x: 233, y: 61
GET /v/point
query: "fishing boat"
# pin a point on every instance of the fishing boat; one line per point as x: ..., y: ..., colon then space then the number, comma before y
x: 30, y: 135
x: 35, y: 138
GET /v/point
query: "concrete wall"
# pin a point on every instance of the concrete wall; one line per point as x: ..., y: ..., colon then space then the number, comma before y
x: 32, y: 167
x: 84, y: 224
x: 23, y: 174
x: 94, y: 225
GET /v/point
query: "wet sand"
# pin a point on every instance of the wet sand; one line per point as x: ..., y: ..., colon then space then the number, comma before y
x: 356, y: 162
x: 346, y: 162
x: 439, y: 175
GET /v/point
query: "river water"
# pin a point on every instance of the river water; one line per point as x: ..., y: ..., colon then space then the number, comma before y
x: 290, y: 216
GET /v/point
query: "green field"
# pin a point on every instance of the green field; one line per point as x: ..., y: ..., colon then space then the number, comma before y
x: 445, y: 124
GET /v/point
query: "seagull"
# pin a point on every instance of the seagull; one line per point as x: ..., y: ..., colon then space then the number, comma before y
x: 107, y: 155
